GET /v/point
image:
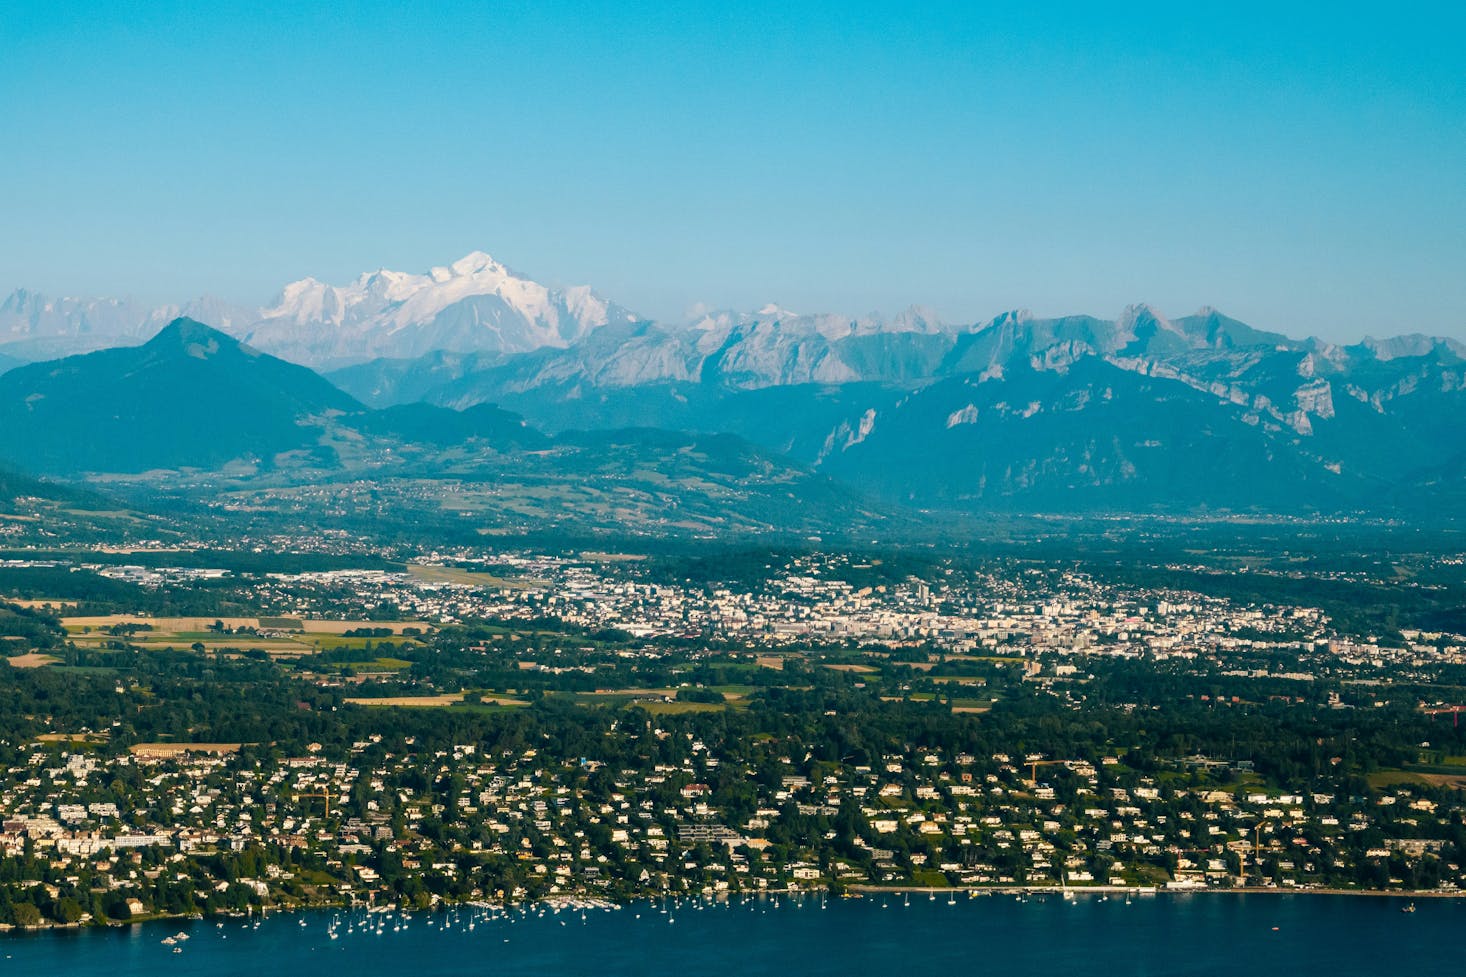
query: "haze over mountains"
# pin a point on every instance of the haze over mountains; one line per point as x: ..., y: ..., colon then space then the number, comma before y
x: 474, y: 304
x: 197, y: 413
x: 1076, y: 414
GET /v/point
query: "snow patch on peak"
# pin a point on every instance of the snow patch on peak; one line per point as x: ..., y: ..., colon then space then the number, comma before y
x: 967, y: 415
x: 586, y: 304
x: 295, y: 290
x: 773, y: 310
x: 476, y: 262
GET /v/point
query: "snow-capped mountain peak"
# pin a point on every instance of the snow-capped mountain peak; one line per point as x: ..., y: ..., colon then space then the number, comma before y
x: 773, y: 310
x: 475, y: 304
x: 476, y: 262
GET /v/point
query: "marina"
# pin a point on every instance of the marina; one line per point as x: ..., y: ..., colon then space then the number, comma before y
x: 1079, y: 934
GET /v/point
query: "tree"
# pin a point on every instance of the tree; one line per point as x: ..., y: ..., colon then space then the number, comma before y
x: 68, y: 910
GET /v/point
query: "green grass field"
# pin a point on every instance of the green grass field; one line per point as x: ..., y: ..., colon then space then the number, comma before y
x: 375, y: 665
x: 683, y: 708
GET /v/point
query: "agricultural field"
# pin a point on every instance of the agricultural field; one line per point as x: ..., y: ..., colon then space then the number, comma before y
x: 437, y: 701
x: 409, y: 701
x: 31, y: 660
x: 276, y: 637
x: 472, y: 578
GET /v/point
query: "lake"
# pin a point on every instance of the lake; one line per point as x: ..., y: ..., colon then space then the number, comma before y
x: 1257, y: 935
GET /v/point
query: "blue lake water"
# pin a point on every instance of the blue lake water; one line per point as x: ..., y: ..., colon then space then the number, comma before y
x: 1203, y: 933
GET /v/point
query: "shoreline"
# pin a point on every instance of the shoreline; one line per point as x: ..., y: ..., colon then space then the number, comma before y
x: 853, y: 891
x: 1133, y: 890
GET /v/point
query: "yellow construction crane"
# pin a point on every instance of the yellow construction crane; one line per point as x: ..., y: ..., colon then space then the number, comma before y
x: 321, y: 794
x: 1033, y: 766
x: 1256, y: 847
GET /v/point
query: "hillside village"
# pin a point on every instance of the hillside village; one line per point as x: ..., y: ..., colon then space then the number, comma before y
x: 537, y: 726
x: 204, y: 832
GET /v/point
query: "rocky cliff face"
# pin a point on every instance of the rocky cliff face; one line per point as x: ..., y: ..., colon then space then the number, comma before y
x: 1136, y: 411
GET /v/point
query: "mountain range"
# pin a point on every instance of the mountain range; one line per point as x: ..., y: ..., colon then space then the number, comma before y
x: 473, y: 305
x: 196, y: 413
x: 1082, y: 414
x: 1076, y: 413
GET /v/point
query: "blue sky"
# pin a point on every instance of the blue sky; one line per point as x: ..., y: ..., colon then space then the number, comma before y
x: 1304, y: 171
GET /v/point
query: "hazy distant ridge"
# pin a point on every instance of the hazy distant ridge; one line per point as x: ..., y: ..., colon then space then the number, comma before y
x: 1074, y: 413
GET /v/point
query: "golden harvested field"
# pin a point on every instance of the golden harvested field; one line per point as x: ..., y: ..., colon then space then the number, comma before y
x: 32, y: 660
x: 160, y: 640
x: 340, y: 627
x: 305, y: 638
x: 174, y: 624
x: 1392, y: 778
x: 411, y: 701
x: 31, y: 604
x: 194, y: 625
